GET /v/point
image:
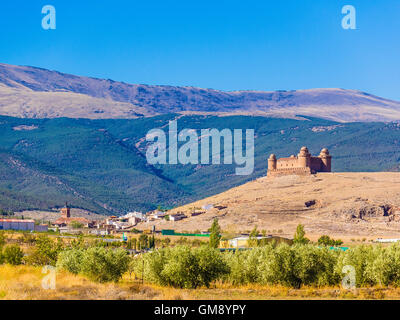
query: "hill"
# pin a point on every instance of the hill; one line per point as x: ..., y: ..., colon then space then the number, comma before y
x: 343, y: 205
x: 100, y: 165
x: 31, y: 92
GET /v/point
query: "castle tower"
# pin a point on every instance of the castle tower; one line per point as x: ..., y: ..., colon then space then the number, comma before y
x: 272, y: 162
x: 66, y: 212
x: 304, y: 158
x: 326, y: 159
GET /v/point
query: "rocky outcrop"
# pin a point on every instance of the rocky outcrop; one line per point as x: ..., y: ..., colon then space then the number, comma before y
x: 363, y: 210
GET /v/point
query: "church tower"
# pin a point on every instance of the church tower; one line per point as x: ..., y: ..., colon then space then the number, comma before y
x: 66, y: 212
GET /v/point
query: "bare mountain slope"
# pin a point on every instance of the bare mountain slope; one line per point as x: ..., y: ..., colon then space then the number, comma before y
x: 344, y: 205
x: 35, y: 92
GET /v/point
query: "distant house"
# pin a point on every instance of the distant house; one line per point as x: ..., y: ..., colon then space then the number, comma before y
x: 243, y: 242
x: 177, y: 217
x: 220, y: 207
x: 387, y: 240
x: 158, y: 215
x: 134, y: 221
x: 99, y: 232
x: 142, y: 216
x: 17, y: 224
x: 207, y: 206
x: 62, y: 222
x: 196, y: 213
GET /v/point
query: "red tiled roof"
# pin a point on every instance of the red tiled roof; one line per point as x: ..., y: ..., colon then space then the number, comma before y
x: 69, y: 220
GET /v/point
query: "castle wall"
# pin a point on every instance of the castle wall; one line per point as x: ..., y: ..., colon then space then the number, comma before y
x: 286, y: 163
x: 303, y: 164
x: 289, y: 171
x: 316, y: 164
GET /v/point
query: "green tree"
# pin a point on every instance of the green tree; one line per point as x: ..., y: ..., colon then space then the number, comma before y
x: 13, y: 254
x: 45, y: 252
x: 70, y: 260
x: 152, y: 242
x: 2, y: 239
x: 104, y: 265
x: 211, y: 265
x: 299, y: 236
x: 327, y: 241
x: 215, y: 234
x: 143, y: 241
x: 252, y: 242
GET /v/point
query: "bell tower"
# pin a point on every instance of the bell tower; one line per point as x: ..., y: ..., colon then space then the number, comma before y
x: 66, y: 211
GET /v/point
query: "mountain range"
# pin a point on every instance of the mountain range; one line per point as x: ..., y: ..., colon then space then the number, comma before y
x: 31, y: 92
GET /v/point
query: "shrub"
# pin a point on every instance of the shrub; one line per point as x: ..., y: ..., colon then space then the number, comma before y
x: 383, y: 266
x: 104, y: 265
x: 28, y: 238
x: 2, y: 239
x: 358, y: 257
x: 211, y: 265
x: 182, y: 266
x: 287, y: 265
x: 13, y: 255
x: 299, y: 236
x: 327, y: 241
x: 45, y: 252
x: 71, y: 260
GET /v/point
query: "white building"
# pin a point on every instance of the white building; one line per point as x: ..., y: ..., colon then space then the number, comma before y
x: 135, y: 214
x: 387, y: 240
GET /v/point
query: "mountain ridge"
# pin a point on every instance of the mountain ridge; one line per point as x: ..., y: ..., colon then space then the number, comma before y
x: 31, y: 92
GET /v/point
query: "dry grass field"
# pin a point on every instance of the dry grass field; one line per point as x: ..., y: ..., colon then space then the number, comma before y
x: 356, y: 207
x: 25, y: 283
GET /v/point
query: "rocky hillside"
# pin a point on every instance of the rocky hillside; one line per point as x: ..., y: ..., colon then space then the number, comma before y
x: 30, y: 92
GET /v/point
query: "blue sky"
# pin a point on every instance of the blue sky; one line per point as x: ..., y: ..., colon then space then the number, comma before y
x: 227, y: 45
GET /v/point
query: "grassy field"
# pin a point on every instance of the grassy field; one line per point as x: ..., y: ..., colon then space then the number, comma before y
x: 25, y: 283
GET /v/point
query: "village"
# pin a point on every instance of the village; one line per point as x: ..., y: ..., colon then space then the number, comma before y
x: 127, y: 227
x: 194, y: 220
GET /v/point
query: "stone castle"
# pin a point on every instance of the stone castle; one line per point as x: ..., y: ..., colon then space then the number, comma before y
x: 302, y: 164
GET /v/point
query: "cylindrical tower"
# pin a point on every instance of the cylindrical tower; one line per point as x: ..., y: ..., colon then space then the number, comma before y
x: 304, y: 158
x: 326, y: 159
x: 272, y: 162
